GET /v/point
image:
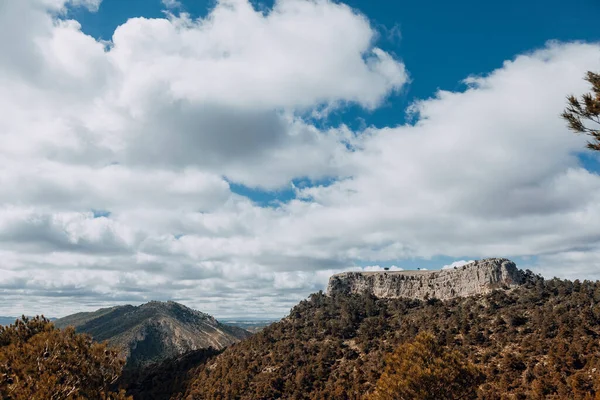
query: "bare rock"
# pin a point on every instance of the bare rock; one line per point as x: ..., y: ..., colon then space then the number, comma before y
x: 478, y: 277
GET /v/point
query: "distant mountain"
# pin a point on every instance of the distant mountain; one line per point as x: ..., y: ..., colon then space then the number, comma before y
x: 250, y: 324
x: 5, y: 321
x: 154, y: 331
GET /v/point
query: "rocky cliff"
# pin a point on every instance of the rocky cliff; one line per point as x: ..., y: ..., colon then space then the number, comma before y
x: 154, y: 331
x: 478, y: 277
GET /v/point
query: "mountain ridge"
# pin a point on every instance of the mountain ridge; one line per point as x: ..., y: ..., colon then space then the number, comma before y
x: 154, y: 331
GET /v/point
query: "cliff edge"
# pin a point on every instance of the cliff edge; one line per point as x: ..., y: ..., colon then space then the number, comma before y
x: 478, y: 277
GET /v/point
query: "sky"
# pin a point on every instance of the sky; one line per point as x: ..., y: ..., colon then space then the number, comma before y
x: 232, y: 155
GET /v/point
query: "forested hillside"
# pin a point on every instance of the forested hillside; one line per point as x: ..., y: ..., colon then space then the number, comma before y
x: 538, y: 341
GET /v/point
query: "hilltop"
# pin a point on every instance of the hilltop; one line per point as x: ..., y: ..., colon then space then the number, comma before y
x: 477, y: 277
x: 538, y: 340
x: 154, y: 331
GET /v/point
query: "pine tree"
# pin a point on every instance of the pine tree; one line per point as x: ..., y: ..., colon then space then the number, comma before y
x: 38, y: 361
x: 583, y: 115
x: 424, y: 369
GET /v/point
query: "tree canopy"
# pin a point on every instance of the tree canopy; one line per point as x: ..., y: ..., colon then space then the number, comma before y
x: 424, y: 369
x: 38, y: 361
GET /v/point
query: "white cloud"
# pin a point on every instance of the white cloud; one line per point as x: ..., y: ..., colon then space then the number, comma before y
x: 224, y: 93
x: 492, y: 170
x: 264, y: 69
x: 171, y: 3
x: 91, y: 5
x: 378, y: 268
x: 580, y: 262
x: 150, y: 129
x: 457, y: 264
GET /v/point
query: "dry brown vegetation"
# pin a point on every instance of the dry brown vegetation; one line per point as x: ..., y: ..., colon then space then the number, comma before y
x: 424, y: 369
x: 540, y: 341
x: 38, y: 361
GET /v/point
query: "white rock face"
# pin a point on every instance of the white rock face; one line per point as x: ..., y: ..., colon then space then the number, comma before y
x: 478, y: 277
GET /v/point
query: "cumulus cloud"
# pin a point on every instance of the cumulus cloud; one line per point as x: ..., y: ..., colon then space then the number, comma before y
x: 491, y: 170
x: 296, y: 56
x: 184, y: 79
x: 116, y: 159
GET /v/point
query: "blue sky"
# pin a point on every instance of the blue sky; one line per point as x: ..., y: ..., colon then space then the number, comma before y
x: 227, y: 156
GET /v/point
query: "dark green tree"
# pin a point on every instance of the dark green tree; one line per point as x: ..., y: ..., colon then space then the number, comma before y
x: 583, y: 114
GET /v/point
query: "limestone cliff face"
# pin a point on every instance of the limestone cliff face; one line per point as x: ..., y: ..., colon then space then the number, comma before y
x: 475, y: 278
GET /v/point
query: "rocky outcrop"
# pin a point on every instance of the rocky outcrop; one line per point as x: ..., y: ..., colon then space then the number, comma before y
x: 478, y: 277
x: 154, y: 331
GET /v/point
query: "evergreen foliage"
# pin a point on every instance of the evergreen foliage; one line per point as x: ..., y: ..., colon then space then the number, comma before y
x: 539, y: 341
x: 165, y: 380
x: 38, y: 361
x: 583, y: 115
x: 425, y: 369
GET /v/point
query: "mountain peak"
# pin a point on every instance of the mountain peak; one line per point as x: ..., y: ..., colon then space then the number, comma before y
x: 176, y: 309
x: 154, y: 331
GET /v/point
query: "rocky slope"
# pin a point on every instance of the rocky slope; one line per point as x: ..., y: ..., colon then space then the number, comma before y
x: 154, y: 331
x: 478, y: 277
